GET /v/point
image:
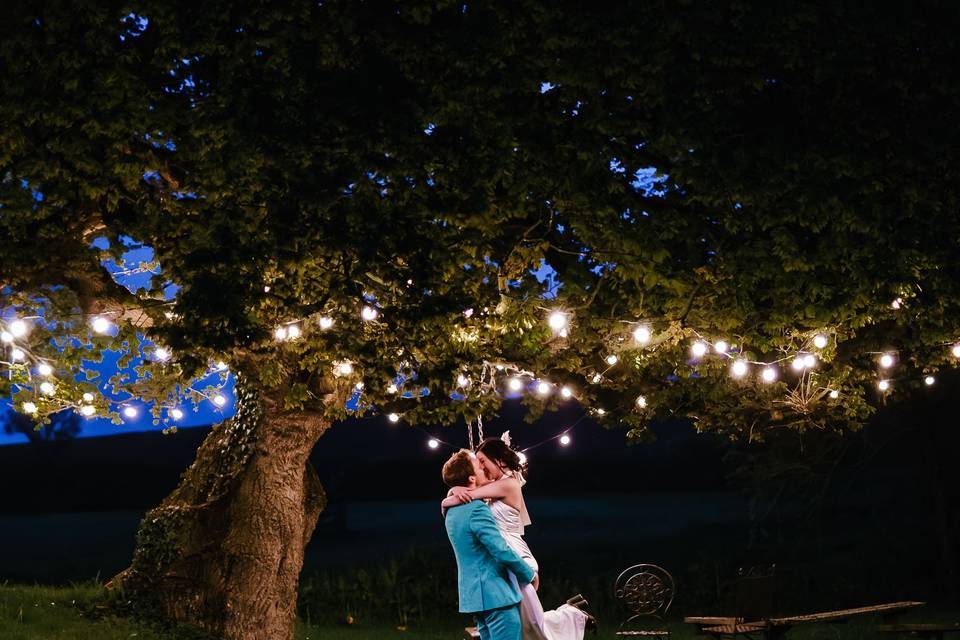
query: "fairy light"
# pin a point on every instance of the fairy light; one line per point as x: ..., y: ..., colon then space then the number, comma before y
x: 601, y: 411
x: 88, y: 397
x: 100, y: 324
x: 47, y: 389
x: 564, y: 440
x: 522, y: 457
x: 393, y: 417
x: 834, y: 394
x: 176, y: 413
x: 897, y: 303
x: 769, y: 374
x: 809, y: 361
x: 515, y: 384
x: 597, y: 378
x: 642, y: 402
x: 798, y: 363
x: 820, y: 341
x: 886, y: 361
x: 161, y: 354
x: 739, y: 368
x: 433, y: 443
x: 17, y: 354
x: 130, y: 412
x: 883, y: 385
x: 557, y: 320
x: 720, y: 346
x: 641, y: 334
x: 6, y: 336
x: 325, y: 322
x: 343, y: 369
x: 956, y: 350
x: 219, y: 400
x: 463, y: 381
x: 563, y: 333
x: 18, y: 328
x: 543, y: 388
x: 612, y: 359
x: 87, y: 410
x: 929, y: 380
x: 392, y: 388
x: 368, y: 313
x: 280, y: 333
x: 698, y: 349
x: 44, y: 369
x: 566, y: 392
x: 293, y: 332
x: 29, y: 407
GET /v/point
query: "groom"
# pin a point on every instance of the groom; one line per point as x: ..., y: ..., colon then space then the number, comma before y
x: 484, y: 561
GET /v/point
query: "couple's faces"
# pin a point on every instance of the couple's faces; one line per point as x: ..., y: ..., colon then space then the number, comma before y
x: 490, y: 468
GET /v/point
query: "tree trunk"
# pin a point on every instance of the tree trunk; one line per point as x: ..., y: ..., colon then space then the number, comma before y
x: 224, y: 551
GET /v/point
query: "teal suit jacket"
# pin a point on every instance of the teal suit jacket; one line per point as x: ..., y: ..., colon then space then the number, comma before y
x: 484, y: 560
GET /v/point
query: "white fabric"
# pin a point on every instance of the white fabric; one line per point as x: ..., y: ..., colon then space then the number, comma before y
x: 565, y: 623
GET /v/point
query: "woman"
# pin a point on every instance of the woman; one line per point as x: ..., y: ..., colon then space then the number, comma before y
x: 503, y: 468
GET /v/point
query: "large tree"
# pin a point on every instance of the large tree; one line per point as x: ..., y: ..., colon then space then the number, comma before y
x: 690, y: 173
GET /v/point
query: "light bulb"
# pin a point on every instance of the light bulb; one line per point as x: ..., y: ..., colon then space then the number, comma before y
x: 809, y: 361
x: 130, y: 412
x: 820, y: 341
x: 88, y: 397
x: 17, y: 354
x: 515, y: 384
x: 611, y: 359
x: 798, y: 363
x: 293, y: 332
x: 562, y: 333
x: 161, y: 354
x: 642, y: 402
x: 883, y: 385
x: 219, y: 400
x: 46, y: 388
x: 343, y: 369
x: 522, y: 457
x: 44, y: 369
x: 698, y: 349
x: 6, y: 336
x: 834, y: 394
x: 896, y: 303
x: 29, y: 407
x: 720, y: 346
x: 600, y: 411
x: 886, y: 361
x: 18, y: 328
x: 956, y: 350
x: 326, y: 322
x: 596, y: 378
x: 393, y: 417
x: 463, y: 381
x: 642, y: 334
x: 564, y: 440
x: 87, y: 410
x: 566, y: 392
x: 176, y: 414
x: 369, y: 314
x: 432, y: 443
x: 101, y: 325
x: 280, y: 333
x: 929, y: 380
x: 769, y: 374
x: 543, y: 388
x: 392, y: 388
x: 557, y: 320
x: 739, y: 368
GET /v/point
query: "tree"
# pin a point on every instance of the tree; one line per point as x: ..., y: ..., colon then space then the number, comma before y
x: 690, y: 174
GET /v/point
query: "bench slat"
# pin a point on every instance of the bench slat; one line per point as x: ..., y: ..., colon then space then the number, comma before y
x: 919, y: 626
x: 827, y: 616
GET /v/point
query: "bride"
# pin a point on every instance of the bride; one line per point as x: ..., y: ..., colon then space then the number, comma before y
x: 503, y: 468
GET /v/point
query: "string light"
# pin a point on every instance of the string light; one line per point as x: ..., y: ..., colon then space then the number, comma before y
x: 44, y: 369
x: 515, y: 384
x: 130, y: 412
x: 612, y: 359
x: 597, y: 378
x: 720, y: 346
x: 47, y: 389
x: 343, y: 369
x: 698, y: 349
x: 6, y: 336
x: 368, y: 313
x: 29, y: 407
x: 601, y: 411
x: 88, y: 397
x: 100, y: 324
x: 886, y: 361
x: 642, y: 334
x: 280, y: 333
x: 798, y: 363
x: 161, y: 354
x: 293, y: 332
x: 956, y: 350
x: 433, y: 443
x: 17, y: 354
x: 557, y: 320
x: 463, y: 381
x: 929, y: 380
x: 564, y: 440
x: 883, y: 385
x: 834, y: 394
x: 820, y: 341
x: 566, y: 392
x: 769, y: 374
x: 219, y: 400
x: 392, y: 388
x: 176, y: 413
x: 641, y: 402
x: 87, y: 410
x: 325, y: 322
x: 18, y: 328
x: 739, y: 368
x: 809, y: 361
x: 543, y: 388
x: 393, y: 417
x: 896, y: 303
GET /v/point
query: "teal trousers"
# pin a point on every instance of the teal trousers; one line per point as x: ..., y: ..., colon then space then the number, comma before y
x: 499, y: 624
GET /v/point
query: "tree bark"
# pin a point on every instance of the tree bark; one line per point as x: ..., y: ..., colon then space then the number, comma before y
x: 224, y: 551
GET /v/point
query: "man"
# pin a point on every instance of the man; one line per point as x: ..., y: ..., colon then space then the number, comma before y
x: 486, y: 565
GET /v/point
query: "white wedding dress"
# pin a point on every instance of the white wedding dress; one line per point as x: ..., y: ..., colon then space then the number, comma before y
x: 565, y: 623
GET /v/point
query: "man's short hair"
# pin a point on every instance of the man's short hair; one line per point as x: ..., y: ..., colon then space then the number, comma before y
x: 458, y: 469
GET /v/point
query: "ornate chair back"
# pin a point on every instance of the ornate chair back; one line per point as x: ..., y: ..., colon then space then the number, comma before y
x: 646, y: 591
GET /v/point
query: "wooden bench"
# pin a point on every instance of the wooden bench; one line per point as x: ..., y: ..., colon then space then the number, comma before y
x: 776, y: 628
x: 923, y: 629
